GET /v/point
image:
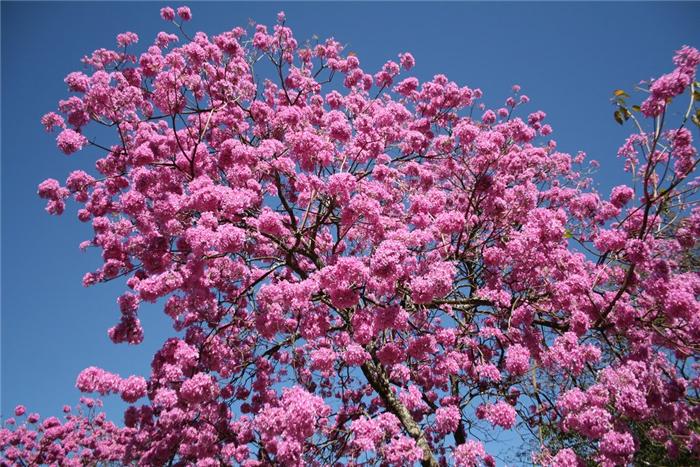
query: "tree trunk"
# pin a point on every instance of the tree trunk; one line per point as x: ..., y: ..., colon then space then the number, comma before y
x: 378, y: 380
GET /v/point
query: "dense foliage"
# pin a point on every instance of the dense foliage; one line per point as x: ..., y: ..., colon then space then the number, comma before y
x: 363, y: 268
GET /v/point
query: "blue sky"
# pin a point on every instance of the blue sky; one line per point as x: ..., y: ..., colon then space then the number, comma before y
x: 568, y: 57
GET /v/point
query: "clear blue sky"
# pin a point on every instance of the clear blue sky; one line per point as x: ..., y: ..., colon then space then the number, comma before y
x: 567, y: 58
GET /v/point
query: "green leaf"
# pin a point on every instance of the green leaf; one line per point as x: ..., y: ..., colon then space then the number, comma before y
x: 620, y: 93
x: 636, y: 108
x: 568, y: 234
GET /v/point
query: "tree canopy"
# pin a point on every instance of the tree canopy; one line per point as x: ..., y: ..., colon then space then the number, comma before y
x: 368, y: 269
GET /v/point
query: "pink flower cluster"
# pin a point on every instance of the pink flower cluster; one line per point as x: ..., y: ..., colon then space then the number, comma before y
x: 95, y: 379
x: 670, y: 85
x: 285, y: 429
x: 499, y: 414
x: 362, y: 266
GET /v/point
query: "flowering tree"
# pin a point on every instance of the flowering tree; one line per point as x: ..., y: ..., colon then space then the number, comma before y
x: 367, y: 269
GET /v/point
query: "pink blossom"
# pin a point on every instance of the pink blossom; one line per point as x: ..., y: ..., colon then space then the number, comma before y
x: 369, y: 433
x: 200, y: 388
x: 566, y: 458
x: 518, y: 359
x: 435, y: 284
x: 127, y: 38
x: 52, y: 120
x: 469, y: 453
x: 610, y: 240
x: 568, y: 354
x: 572, y: 400
x: 184, y: 13
x: 413, y: 399
x: 402, y: 451
x: 617, y: 447
x: 499, y: 414
x: 77, y: 81
x: 407, y: 61
x: 621, y: 195
x: 167, y: 13
x: 407, y: 86
x: 591, y: 422
x: 165, y: 398
x: 70, y: 141
x: 132, y: 388
x: 288, y: 426
x: 355, y: 355
x: 682, y: 151
x: 95, y: 379
x: 447, y: 419
x: 488, y: 371
x: 323, y: 360
x: 687, y: 58
x: 488, y: 117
